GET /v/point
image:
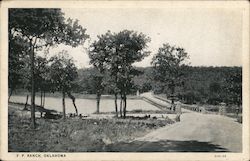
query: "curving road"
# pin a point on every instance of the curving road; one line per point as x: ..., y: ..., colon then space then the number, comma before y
x: 217, y: 130
x: 194, y: 132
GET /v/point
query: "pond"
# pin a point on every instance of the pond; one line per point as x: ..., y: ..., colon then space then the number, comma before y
x: 87, y: 106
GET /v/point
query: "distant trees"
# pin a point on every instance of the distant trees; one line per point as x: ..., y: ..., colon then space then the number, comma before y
x: 233, y: 87
x: 115, y: 53
x: 41, y: 28
x: 168, y: 64
x: 214, y: 92
x: 207, y: 85
x: 197, y: 87
x: 144, y: 81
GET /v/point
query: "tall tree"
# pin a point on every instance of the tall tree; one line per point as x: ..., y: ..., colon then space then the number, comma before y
x: 62, y: 74
x: 129, y: 47
x: 168, y: 64
x: 116, y: 53
x: 99, y: 54
x: 43, y: 27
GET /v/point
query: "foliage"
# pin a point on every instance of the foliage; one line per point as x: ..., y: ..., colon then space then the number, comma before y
x: 197, y: 88
x: 115, y: 53
x: 41, y: 28
x: 99, y: 54
x: 233, y: 86
x: 143, y: 81
x: 45, y: 27
x: 17, y: 49
x: 62, y: 72
x: 41, y: 73
x: 168, y: 64
x: 210, y: 85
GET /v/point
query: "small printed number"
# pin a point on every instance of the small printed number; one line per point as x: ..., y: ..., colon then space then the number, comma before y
x: 220, y: 156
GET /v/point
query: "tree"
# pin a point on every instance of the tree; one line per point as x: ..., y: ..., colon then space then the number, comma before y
x: 128, y: 47
x: 41, y: 75
x: 17, y: 49
x: 41, y: 28
x: 112, y: 88
x: 99, y: 54
x: 97, y: 85
x: 168, y: 64
x: 116, y: 53
x: 62, y: 74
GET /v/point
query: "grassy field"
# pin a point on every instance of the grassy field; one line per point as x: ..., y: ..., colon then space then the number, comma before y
x: 74, y: 134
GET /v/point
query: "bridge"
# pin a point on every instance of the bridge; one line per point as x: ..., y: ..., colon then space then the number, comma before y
x: 152, y: 99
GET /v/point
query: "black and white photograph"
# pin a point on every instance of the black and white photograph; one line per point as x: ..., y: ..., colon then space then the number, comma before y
x: 138, y: 79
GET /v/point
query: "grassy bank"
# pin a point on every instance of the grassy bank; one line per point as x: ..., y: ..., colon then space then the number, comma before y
x: 74, y: 134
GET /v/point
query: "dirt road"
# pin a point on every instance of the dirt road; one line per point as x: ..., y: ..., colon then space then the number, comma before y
x: 195, y: 133
x: 213, y: 129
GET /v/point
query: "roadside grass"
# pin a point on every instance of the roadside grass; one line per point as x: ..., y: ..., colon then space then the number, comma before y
x: 74, y: 134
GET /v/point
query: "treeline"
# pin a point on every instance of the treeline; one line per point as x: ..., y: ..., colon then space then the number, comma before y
x: 86, y: 83
x: 210, y: 85
x: 205, y: 85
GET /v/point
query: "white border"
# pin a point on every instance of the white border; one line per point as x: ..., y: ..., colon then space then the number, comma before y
x: 244, y: 5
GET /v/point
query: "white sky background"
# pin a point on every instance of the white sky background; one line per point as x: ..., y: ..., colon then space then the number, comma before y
x: 212, y: 37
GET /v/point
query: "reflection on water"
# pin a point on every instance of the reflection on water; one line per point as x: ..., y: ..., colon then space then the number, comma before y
x: 86, y: 106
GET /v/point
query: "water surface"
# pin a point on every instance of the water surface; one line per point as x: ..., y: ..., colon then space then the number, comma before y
x: 86, y: 106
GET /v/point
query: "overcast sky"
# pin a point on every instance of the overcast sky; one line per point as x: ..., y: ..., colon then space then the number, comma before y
x: 212, y: 37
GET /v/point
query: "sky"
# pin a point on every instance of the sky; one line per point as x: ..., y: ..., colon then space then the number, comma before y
x: 211, y: 37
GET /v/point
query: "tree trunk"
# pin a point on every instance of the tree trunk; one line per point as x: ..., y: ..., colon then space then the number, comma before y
x: 33, y: 117
x: 125, y: 106
x: 26, y: 103
x: 172, y: 94
x: 121, y: 106
x: 63, y: 104
x: 41, y: 104
x: 98, y: 97
x: 43, y: 98
x: 73, y: 101
x: 116, y: 110
x: 11, y: 91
